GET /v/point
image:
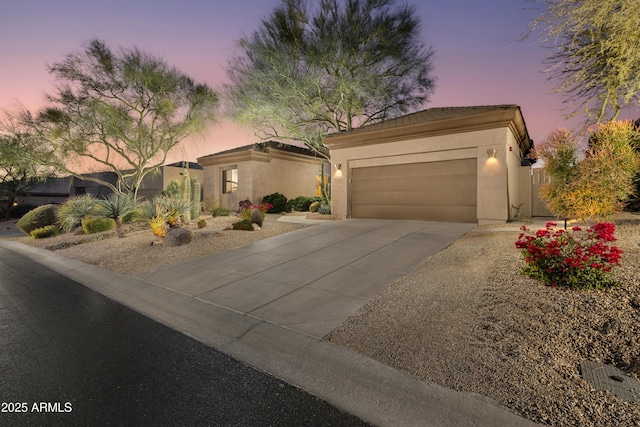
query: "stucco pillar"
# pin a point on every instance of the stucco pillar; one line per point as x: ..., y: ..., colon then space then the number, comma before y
x: 493, y: 200
x: 339, y: 187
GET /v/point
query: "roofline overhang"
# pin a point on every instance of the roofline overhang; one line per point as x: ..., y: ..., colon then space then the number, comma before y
x: 259, y: 156
x: 511, y: 118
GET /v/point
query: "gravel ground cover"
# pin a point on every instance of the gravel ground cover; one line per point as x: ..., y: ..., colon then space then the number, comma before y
x: 465, y: 319
x: 141, y: 251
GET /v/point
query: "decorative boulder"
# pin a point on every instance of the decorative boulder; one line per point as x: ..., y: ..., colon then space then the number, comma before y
x: 178, y: 236
x: 256, y: 217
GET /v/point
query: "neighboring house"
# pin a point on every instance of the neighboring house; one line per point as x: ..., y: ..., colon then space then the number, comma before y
x: 462, y: 164
x: 254, y: 171
x: 58, y: 190
x: 152, y: 183
x: 52, y: 190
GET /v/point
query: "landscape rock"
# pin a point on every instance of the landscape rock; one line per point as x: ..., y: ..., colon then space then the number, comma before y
x: 256, y: 217
x: 256, y: 227
x: 178, y: 236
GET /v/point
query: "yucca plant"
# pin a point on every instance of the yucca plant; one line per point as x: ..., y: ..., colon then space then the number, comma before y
x: 116, y: 206
x: 74, y: 210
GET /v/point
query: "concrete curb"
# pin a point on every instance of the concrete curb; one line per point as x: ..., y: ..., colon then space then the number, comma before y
x: 357, y: 384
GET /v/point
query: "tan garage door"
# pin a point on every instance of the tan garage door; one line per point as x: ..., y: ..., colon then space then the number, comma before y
x: 436, y: 191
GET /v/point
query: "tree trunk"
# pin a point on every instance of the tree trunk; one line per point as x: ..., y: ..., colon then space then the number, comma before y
x: 119, y: 228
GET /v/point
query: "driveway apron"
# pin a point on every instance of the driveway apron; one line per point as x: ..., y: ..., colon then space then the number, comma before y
x: 310, y: 280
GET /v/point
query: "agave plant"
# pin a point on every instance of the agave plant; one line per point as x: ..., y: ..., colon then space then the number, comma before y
x: 117, y: 206
x: 75, y: 209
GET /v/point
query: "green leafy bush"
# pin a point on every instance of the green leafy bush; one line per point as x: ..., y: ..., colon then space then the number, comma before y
x: 46, y: 231
x: 244, y: 224
x: 303, y: 203
x: 92, y: 225
x: 37, y: 218
x: 74, y: 210
x: 278, y: 202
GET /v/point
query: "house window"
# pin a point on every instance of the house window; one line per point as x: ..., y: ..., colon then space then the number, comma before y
x: 229, y: 180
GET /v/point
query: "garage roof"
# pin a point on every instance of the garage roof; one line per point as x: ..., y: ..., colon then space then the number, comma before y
x: 437, y: 121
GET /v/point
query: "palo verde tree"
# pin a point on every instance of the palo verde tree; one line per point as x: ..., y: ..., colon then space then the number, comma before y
x: 22, y: 160
x: 123, y: 111
x: 307, y: 72
x: 595, y: 55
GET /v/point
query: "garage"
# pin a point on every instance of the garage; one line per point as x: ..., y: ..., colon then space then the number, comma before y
x: 434, y: 191
x: 462, y: 164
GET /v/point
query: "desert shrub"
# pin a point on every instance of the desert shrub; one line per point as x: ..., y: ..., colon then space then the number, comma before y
x: 243, y: 224
x: 172, y: 208
x: 91, y: 224
x: 201, y: 223
x: 74, y: 210
x: 578, y: 259
x: 212, y: 206
x: 37, y: 218
x: 313, y: 207
x: 277, y: 201
x: 19, y: 210
x: 324, y: 209
x: 220, y: 211
x: 303, y: 203
x: 161, y: 213
x: 46, y: 231
x: 595, y: 184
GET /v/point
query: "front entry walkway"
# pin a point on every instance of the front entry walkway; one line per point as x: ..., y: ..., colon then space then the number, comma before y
x: 310, y: 280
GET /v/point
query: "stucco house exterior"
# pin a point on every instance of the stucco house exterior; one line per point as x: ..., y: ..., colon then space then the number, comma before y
x: 254, y: 171
x: 462, y: 164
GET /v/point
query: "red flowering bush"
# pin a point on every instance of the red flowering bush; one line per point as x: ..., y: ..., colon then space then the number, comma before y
x: 579, y: 259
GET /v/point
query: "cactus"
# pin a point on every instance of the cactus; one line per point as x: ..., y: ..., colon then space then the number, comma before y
x: 186, y: 194
x: 195, y: 198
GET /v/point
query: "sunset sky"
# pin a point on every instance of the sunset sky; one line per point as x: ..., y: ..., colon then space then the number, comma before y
x: 478, y: 58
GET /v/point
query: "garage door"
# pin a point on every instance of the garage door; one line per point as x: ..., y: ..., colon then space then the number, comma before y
x: 436, y: 191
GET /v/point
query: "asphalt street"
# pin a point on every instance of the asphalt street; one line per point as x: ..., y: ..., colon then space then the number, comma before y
x: 69, y: 356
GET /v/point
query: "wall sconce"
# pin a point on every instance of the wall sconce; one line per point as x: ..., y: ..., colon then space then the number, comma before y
x: 338, y: 166
x: 491, y: 153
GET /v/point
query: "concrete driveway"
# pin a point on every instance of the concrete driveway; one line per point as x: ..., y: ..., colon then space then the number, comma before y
x: 310, y: 280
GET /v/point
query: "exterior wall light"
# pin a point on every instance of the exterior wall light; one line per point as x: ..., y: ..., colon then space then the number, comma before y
x: 491, y: 153
x: 338, y: 166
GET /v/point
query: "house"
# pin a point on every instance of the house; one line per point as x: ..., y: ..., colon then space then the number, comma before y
x: 58, y: 190
x: 463, y: 164
x: 51, y: 190
x: 152, y: 183
x: 257, y: 170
